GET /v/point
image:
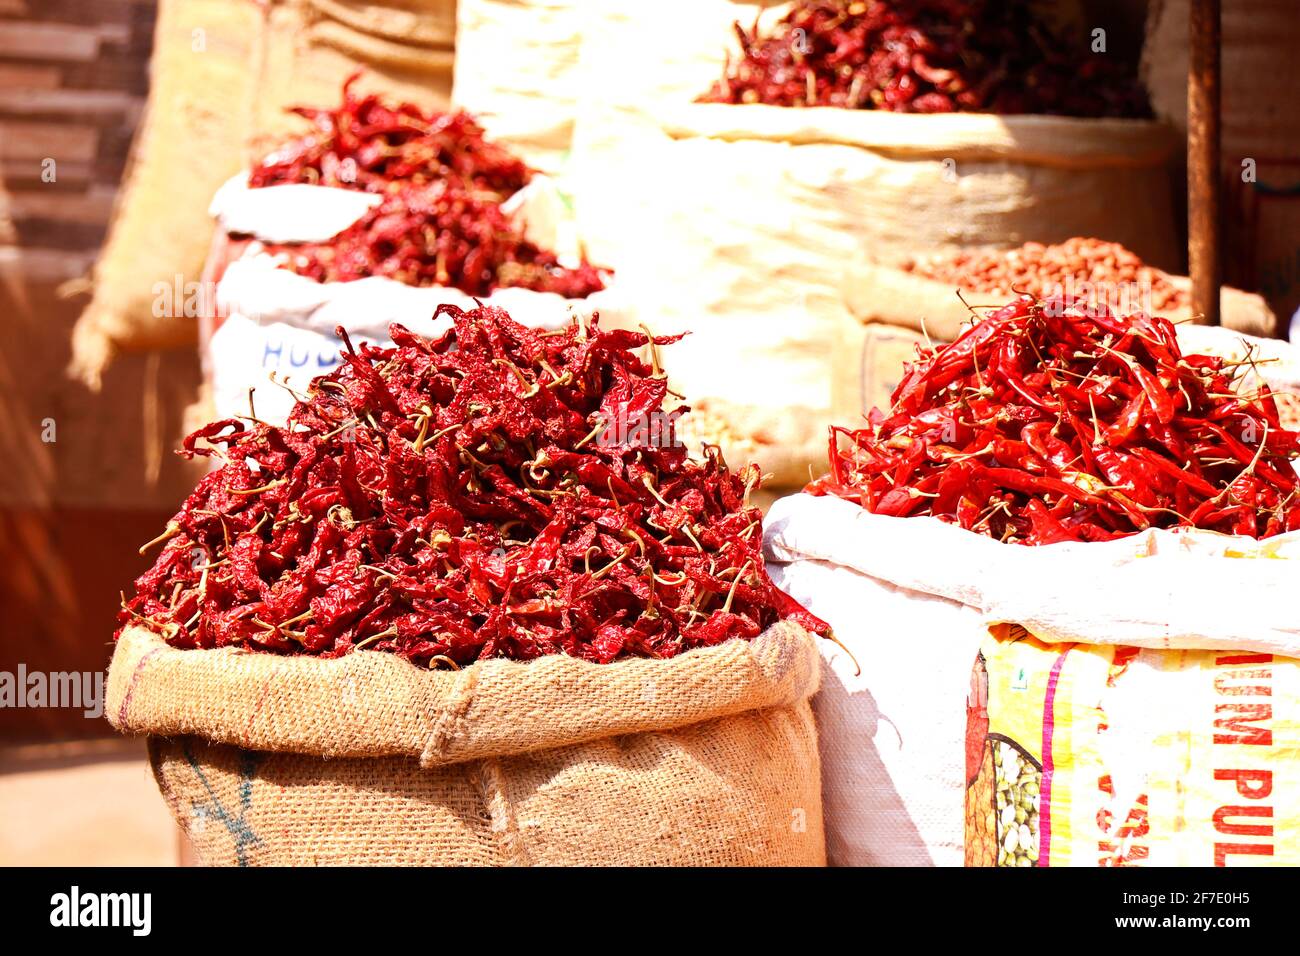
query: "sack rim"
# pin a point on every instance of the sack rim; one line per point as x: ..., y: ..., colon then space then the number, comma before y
x: 375, y: 704
x: 1159, y: 588
x: 1034, y: 139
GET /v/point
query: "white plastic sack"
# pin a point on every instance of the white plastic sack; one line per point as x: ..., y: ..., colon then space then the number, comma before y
x: 272, y: 321
x: 283, y: 324
x: 1273, y: 362
x: 298, y: 212
x: 1276, y: 362
x: 291, y: 212
x: 912, y: 598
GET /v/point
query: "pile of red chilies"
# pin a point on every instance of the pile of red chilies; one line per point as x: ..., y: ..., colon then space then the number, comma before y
x: 1042, y: 424
x: 436, y: 235
x: 926, y: 56
x: 496, y: 492
x: 440, y: 222
x: 366, y: 144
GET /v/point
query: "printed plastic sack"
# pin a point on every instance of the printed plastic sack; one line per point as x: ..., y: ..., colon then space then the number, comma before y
x: 1095, y: 755
x: 913, y: 600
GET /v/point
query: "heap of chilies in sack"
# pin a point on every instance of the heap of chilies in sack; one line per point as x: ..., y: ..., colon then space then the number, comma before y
x: 440, y: 221
x: 1047, y: 422
x: 925, y: 56
x: 498, y: 491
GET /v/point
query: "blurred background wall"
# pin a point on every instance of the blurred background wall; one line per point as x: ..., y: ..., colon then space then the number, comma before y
x: 84, y: 477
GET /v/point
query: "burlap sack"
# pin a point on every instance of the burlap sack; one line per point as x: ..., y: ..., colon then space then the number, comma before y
x: 904, y: 183
x: 221, y: 74
x: 885, y: 352
x: 706, y: 759
x: 566, y: 56
x: 1257, y: 54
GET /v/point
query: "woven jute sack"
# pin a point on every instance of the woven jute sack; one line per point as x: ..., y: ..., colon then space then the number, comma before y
x: 707, y: 759
x: 529, y: 107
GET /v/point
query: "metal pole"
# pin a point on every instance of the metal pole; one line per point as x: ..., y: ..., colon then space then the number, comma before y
x: 1203, y: 184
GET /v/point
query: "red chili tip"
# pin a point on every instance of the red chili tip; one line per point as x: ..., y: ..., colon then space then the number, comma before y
x: 342, y: 333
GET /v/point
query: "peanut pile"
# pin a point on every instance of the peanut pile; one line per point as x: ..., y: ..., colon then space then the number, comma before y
x: 1039, y: 270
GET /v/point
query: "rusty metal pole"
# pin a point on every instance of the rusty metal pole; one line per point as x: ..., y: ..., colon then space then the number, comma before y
x: 1203, y: 183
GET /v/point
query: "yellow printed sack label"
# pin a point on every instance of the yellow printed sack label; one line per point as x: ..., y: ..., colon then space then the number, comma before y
x: 1106, y: 755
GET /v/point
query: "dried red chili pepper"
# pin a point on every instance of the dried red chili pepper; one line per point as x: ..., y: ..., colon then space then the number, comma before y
x: 432, y: 235
x: 484, y: 494
x: 366, y: 143
x: 926, y: 56
x: 440, y: 221
x: 1047, y: 422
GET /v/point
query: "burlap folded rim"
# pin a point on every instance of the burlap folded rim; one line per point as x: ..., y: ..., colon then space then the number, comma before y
x: 1061, y: 141
x: 373, y: 704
